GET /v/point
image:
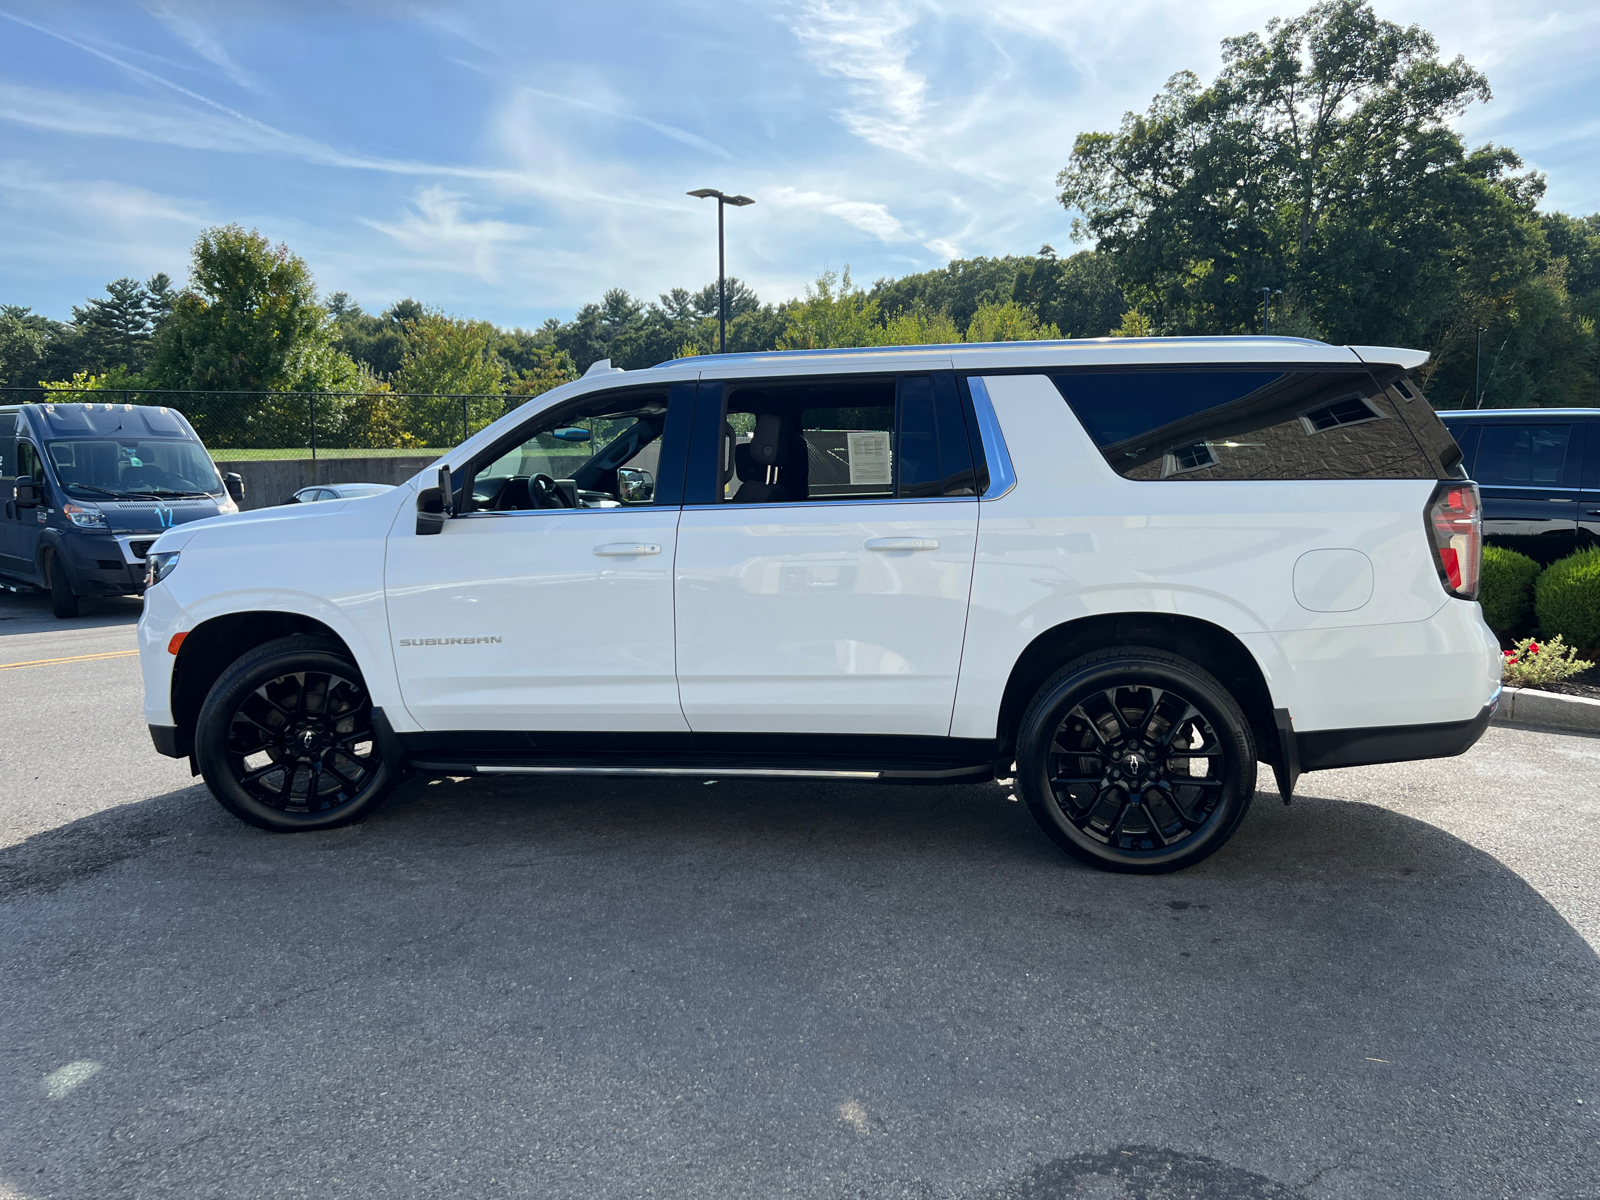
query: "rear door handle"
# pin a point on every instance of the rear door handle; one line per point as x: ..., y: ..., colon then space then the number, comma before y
x: 626, y: 549
x: 902, y: 543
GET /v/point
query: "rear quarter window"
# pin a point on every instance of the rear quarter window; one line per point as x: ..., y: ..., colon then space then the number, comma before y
x: 1255, y: 423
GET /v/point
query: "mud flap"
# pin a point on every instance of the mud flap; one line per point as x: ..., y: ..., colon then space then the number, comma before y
x: 1287, y: 766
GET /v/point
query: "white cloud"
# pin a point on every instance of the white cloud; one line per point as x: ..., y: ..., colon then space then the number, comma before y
x: 866, y: 216
x: 439, y: 230
x: 189, y: 23
x: 868, y: 46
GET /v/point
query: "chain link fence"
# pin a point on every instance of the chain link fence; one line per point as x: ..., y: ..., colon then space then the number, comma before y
x: 317, y: 425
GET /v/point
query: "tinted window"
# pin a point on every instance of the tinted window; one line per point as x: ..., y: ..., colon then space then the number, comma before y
x: 1522, y: 455
x: 28, y: 463
x: 1246, y: 424
x: 845, y: 439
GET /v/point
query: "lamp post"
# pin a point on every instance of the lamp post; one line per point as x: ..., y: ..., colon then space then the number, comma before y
x: 1267, y: 293
x: 1477, y: 371
x: 723, y: 200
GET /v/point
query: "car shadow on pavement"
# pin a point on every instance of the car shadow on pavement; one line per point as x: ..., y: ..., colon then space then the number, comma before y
x: 578, y: 988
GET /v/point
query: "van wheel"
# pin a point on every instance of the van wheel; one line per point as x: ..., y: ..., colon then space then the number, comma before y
x: 1136, y: 760
x: 63, y: 602
x: 286, y: 741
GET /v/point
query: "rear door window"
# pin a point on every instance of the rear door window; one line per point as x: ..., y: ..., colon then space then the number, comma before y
x: 1246, y: 423
x: 844, y: 439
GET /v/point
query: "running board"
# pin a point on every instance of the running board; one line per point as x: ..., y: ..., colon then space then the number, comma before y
x: 897, y: 772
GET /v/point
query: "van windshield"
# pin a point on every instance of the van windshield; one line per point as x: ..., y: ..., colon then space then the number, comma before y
x: 134, y: 468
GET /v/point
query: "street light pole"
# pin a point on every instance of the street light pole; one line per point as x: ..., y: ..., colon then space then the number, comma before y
x: 1267, y: 293
x: 1477, y: 371
x: 722, y: 262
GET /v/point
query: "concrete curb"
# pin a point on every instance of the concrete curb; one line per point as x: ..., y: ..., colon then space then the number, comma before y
x: 1549, y: 710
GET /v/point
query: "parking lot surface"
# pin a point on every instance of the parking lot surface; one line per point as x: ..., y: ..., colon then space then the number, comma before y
x: 619, y: 988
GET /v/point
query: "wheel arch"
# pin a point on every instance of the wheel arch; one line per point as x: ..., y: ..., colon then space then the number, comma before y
x: 1204, y: 643
x: 212, y: 646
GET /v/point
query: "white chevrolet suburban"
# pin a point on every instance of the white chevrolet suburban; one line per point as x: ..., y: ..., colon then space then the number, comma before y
x: 1125, y: 570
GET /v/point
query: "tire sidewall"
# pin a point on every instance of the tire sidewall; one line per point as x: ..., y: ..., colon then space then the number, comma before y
x: 63, y: 600
x: 211, y: 733
x: 1057, y: 698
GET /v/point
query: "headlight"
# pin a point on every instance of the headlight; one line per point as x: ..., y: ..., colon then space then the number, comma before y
x: 227, y: 507
x: 159, y: 566
x: 85, y: 516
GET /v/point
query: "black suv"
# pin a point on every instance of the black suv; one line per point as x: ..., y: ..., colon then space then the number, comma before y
x: 1539, y: 472
x: 88, y: 487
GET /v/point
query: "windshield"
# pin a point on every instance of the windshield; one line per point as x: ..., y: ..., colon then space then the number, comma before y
x: 135, y: 468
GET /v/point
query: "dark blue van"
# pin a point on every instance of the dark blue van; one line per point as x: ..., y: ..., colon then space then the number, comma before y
x: 88, y: 487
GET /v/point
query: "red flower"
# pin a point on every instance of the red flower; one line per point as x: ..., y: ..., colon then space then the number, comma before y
x: 1533, y: 647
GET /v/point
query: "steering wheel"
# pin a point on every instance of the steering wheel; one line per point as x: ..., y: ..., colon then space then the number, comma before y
x: 545, y: 492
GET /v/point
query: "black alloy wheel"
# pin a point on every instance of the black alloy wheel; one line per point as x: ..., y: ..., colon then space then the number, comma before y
x: 286, y: 739
x: 1136, y: 760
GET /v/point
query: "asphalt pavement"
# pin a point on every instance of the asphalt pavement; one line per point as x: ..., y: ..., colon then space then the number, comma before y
x: 752, y: 989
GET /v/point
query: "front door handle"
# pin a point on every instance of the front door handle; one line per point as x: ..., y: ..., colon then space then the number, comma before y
x: 902, y: 543
x: 626, y: 549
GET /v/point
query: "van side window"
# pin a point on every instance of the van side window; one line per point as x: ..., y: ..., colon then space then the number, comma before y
x: 1525, y: 455
x: 1246, y: 423
x: 28, y: 462
x: 878, y: 438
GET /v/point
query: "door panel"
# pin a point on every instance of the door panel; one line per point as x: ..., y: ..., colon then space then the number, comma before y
x: 548, y: 606
x: 789, y: 622
x: 542, y: 620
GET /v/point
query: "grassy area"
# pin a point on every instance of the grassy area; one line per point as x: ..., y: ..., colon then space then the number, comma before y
x: 227, y: 454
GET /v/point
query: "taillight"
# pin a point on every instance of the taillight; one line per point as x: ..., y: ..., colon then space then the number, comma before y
x: 1455, y: 529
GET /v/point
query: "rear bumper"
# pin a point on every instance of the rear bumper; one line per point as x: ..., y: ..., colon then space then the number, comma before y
x: 1324, y: 749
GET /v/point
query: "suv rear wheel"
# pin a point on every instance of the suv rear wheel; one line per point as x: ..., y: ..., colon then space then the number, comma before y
x: 1136, y: 760
x: 286, y: 741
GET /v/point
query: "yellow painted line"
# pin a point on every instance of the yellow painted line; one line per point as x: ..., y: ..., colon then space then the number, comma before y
x: 51, y: 662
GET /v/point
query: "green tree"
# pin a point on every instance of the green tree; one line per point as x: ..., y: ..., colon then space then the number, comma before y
x: 450, y: 355
x: 1320, y: 160
x: 117, y: 329
x: 248, y: 321
x: 958, y: 288
x: 22, y: 346
x: 834, y: 313
x: 1078, y: 294
x: 920, y: 327
x: 1008, y: 322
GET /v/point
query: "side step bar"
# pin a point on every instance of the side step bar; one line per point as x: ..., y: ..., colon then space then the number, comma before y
x: 904, y: 773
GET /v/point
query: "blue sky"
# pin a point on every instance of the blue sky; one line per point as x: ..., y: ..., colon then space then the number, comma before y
x: 513, y: 160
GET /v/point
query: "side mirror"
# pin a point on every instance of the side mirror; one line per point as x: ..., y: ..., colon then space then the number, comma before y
x: 635, y: 486
x: 27, y: 494
x: 234, y: 482
x: 434, y: 505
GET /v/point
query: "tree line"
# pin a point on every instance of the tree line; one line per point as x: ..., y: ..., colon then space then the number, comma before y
x: 1315, y: 182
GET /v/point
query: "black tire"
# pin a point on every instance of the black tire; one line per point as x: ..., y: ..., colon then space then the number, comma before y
x: 63, y: 600
x: 285, y: 739
x: 1095, y: 761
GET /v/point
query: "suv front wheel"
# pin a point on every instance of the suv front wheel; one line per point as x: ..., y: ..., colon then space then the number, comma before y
x: 1136, y: 760
x: 286, y: 740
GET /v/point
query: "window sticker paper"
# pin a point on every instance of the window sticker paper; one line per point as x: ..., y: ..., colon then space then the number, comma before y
x: 869, y: 456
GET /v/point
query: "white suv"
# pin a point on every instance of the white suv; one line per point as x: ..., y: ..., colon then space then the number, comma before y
x: 1131, y: 568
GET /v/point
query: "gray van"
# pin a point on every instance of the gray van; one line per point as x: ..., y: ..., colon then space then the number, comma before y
x: 88, y: 487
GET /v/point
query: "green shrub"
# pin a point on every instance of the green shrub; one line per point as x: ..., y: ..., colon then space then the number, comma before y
x: 1567, y: 598
x: 1531, y: 664
x: 1506, y: 590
